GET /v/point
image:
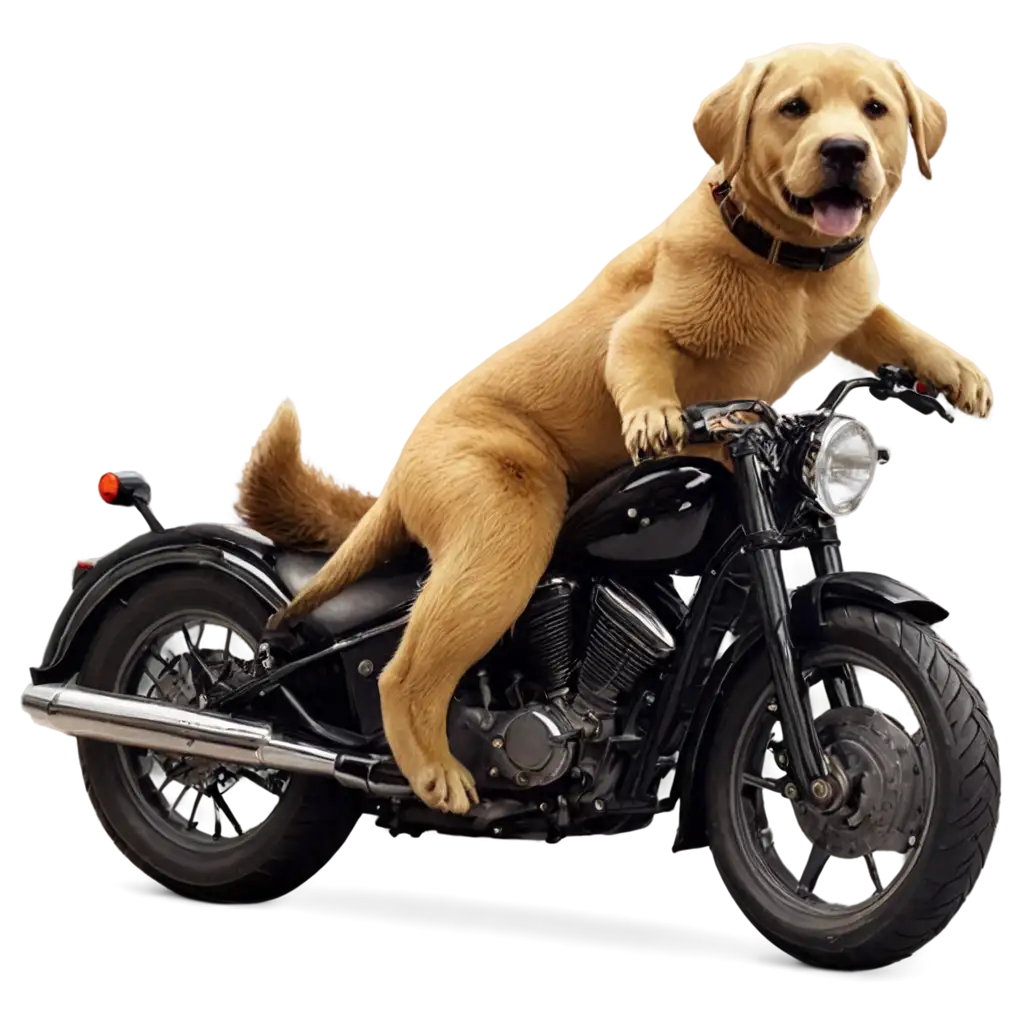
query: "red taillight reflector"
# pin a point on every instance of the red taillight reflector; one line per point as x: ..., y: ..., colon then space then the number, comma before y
x: 109, y: 487
x: 86, y: 563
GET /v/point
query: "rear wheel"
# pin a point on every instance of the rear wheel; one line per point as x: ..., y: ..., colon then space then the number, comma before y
x: 880, y: 874
x: 216, y: 832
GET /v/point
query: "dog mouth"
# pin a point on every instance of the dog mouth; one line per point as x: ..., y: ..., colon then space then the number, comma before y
x: 835, y: 211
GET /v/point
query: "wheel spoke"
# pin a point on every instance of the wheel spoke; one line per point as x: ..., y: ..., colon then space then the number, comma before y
x: 812, y: 871
x: 227, y: 642
x: 168, y: 666
x: 177, y: 799
x: 219, y: 801
x: 173, y: 775
x: 190, y: 823
x: 156, y: 683
x: 169, y: 674
x: 196, y: 663
x: 176, y: 771
x: 772, y: 785
x: 194, y: 651
x: 873, y: 872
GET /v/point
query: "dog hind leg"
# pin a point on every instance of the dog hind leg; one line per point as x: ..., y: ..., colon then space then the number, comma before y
x: 486, y: 563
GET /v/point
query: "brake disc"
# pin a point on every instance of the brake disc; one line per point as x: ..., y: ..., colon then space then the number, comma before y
x: 884, y: 805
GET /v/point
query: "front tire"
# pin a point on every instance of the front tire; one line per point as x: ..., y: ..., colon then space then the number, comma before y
x: 955, y: 744
x: 312, y: 818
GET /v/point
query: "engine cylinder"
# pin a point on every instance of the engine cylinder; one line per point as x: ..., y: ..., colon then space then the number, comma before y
x: 626, y: 638
x: 546, y: 628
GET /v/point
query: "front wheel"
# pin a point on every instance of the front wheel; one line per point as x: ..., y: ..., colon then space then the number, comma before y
x: 871, y: 880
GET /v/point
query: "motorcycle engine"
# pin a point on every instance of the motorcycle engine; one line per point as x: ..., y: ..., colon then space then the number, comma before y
x: 524, y: 742
x: 529, y: 746
x: 625, y: 640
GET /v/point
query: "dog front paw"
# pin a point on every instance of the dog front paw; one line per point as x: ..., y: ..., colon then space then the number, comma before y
x: 653, y: 430
x: 972, y: 392
x: 962, y: 383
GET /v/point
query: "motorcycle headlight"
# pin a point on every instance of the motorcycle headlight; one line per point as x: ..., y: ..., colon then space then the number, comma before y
x: 841, y: 470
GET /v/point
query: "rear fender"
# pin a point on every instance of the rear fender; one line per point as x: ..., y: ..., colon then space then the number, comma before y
x: 116, y: 575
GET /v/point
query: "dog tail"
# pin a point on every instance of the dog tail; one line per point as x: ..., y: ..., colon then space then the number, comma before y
x: 377, y: 536
x: 289, y: 501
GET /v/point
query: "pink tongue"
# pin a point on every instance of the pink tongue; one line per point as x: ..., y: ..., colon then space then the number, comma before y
x: 838, y: 221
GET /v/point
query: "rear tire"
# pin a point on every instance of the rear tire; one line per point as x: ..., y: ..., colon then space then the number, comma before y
x: 960, y: 827
x: 313, y: 816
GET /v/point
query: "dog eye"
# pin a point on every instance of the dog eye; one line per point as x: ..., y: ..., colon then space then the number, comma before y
x: 795, y: 108
x: 874, y: 109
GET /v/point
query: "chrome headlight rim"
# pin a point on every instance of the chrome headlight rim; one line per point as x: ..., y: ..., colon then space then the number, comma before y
x: 817, y: 463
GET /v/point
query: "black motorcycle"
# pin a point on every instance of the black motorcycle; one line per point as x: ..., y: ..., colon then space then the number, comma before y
x: 229, y: 763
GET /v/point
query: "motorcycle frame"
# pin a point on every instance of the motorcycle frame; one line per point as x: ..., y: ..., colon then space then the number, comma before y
x: 742, y: 577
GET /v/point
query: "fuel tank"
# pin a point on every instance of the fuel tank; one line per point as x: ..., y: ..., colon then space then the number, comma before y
x: 664, y: 515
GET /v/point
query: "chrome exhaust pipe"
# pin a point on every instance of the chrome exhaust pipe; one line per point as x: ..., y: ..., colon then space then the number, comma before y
x: 173, y: 729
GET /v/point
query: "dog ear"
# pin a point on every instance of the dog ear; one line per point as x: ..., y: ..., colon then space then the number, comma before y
x: 927, y: 120
x: 722, y: 123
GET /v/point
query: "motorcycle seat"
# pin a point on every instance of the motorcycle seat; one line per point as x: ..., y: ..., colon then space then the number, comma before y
x: 383, y: 594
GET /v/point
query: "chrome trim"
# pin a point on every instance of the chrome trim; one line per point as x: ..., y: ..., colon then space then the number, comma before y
x: 252, y: 570
x: 357, y: 638
x: 556, y: 581
x: 248, y: 532
x: 547, y: 721
x: 647, y: 628
x: 821, y: 441
x: 698, y: 477
x: 173, y: 729
x: 366, y: 634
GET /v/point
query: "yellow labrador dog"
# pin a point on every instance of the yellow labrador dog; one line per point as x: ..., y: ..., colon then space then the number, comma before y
x: 751, y: 282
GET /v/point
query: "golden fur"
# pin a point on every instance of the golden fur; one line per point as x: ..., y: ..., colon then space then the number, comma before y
x: 282, y: 497
x: 685, y: 315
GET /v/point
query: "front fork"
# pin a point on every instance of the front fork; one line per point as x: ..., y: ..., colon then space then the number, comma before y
x: 808, y: 766
x: 842, y: 687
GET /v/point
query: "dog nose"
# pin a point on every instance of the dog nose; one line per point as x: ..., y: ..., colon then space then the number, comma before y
x: 844, y: 152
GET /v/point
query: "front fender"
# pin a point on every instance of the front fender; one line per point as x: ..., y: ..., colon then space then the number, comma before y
x: 809, y: 603
x: 115, y: 575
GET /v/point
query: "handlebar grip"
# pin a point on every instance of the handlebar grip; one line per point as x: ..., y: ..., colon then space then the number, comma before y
x: 707, y: 422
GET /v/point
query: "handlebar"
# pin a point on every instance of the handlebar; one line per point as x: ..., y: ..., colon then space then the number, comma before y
x: 892, y: 382
x: 709, y: 422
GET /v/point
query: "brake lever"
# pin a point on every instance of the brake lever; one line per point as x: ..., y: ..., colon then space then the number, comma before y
x: 930, y: 401
x: 921, y: 395
x: 944, y: 412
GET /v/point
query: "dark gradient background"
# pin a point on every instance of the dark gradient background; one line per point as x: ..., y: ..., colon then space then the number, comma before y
x: 202, y: 208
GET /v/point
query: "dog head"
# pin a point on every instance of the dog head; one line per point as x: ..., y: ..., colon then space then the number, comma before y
x: 814, y: 138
